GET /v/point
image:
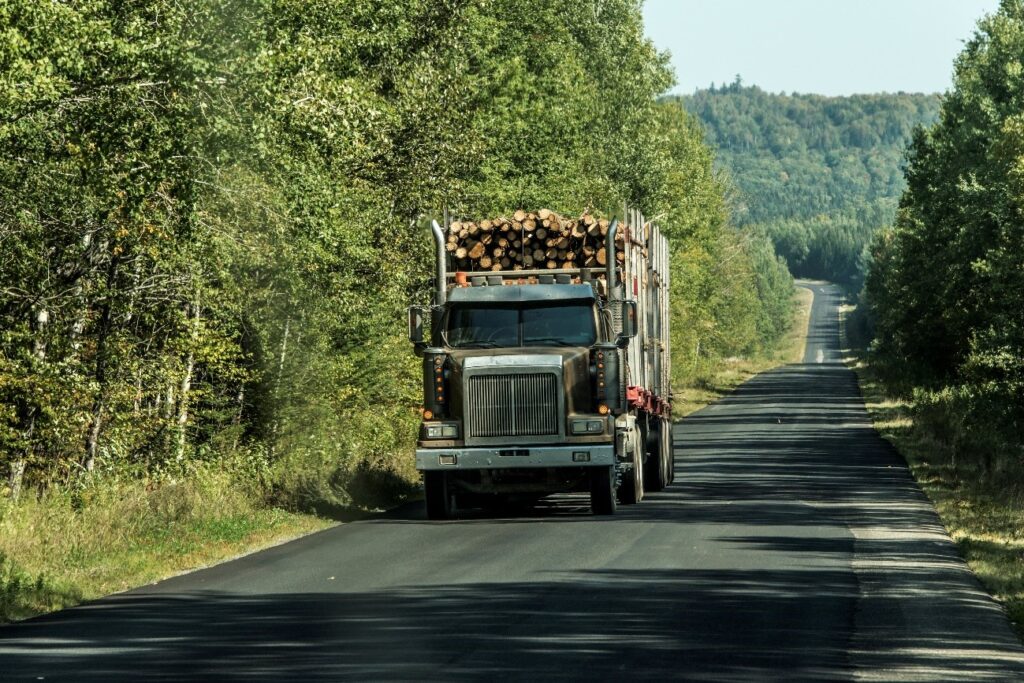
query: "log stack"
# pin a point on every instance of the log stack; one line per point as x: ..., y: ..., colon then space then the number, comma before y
x: 531, y: 241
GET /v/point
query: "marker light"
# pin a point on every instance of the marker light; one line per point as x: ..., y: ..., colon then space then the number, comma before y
x: 603, y: 409
x: 429, y: 414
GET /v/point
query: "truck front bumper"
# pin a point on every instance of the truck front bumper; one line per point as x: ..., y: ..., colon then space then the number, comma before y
x: 582, y: 455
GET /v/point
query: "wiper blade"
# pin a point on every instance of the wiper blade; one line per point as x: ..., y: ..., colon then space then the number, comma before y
x: 549, y: 341
x: 479, y: 345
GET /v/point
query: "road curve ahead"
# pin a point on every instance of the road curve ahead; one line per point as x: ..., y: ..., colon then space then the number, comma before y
x: 794, y: 545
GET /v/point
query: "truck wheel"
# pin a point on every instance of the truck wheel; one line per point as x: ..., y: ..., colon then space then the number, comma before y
x: 632, y: 489
x: 670, y: 447
x: 602, y: 490
x: 438, y: 495
x: 656, y: 467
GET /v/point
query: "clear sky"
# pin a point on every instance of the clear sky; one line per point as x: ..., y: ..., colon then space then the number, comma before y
x: 830, y: 47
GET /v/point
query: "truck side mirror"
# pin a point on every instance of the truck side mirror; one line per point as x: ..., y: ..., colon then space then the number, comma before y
x: 628, y: 322
x: 416, y: 325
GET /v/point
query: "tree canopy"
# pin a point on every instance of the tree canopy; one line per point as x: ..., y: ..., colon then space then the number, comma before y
x: 208, y: 213
x: 946, y: 284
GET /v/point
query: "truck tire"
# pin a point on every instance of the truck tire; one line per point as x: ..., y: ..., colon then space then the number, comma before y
x: 632, y: 489
x: 438, y: 495
x: 656, y: 467
x: 602, y: 490
x: 670, y: 447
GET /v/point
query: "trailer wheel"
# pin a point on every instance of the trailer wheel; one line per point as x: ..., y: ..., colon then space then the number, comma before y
x: 439, y: 498
x: 602, y: 490
x: 656, y: 467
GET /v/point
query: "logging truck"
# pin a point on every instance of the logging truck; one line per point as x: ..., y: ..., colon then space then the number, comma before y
x: 545, y: 363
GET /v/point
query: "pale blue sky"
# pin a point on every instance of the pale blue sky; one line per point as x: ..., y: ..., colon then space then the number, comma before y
x: 831, y: 47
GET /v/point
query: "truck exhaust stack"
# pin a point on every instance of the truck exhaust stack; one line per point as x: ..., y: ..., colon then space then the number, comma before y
x: 441, y: 295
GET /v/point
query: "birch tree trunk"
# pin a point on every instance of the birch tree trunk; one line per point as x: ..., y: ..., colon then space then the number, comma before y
x: 277, y: 386
x: 16, y: 474
x: 186, y: 380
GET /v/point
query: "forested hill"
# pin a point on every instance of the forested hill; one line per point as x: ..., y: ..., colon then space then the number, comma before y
x: 820, y: 174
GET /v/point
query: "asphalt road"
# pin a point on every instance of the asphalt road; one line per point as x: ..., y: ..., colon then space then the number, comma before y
x: 793, y: 545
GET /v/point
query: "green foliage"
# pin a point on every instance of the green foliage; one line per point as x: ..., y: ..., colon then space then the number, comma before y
x: 208, y: 219
x: 818, y: 174
x: 946, y: 286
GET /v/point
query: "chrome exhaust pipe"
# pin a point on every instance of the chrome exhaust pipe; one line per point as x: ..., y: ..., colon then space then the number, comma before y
x: 441, y: 296
x: 609, y: 254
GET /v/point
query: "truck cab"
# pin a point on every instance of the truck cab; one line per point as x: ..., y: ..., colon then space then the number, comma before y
x: 525, y: 391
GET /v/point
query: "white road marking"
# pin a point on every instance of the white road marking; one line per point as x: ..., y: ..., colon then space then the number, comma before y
x: 821, y: 356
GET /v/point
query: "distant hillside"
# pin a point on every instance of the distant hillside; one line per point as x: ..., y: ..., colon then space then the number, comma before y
x: 819, y: 174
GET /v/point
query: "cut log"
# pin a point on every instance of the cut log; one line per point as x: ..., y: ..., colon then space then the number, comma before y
x: 541, y: 233
x: 544, y: 214
x: 519, y: 216
x: 461, y: 252
x: 602, y: 257
x: 485, y: 261
x: 477, y: 251
x: 552, y: 265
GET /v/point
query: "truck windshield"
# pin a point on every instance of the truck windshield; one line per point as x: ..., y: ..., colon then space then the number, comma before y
x: 473, y: 326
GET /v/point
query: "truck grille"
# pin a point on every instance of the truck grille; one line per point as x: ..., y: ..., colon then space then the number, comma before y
x: 512, y: 405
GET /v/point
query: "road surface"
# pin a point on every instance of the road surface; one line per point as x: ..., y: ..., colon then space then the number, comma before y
x: 793, y: 545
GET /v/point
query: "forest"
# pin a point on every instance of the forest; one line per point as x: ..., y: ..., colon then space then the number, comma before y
x: 945, y: 287
x: 819, y: 175
x: 211, y: 221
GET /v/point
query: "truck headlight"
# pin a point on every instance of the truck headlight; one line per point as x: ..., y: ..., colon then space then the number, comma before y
x: 441, y: 431
x: 586, y: 426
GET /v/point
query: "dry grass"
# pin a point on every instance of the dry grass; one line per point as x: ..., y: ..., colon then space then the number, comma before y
x: 63, y: 548
x: 721, y: 377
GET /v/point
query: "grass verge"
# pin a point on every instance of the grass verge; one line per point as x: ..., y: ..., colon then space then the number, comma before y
x: 721, y: 376
x: 64, y: 548
x: 984, y: 515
